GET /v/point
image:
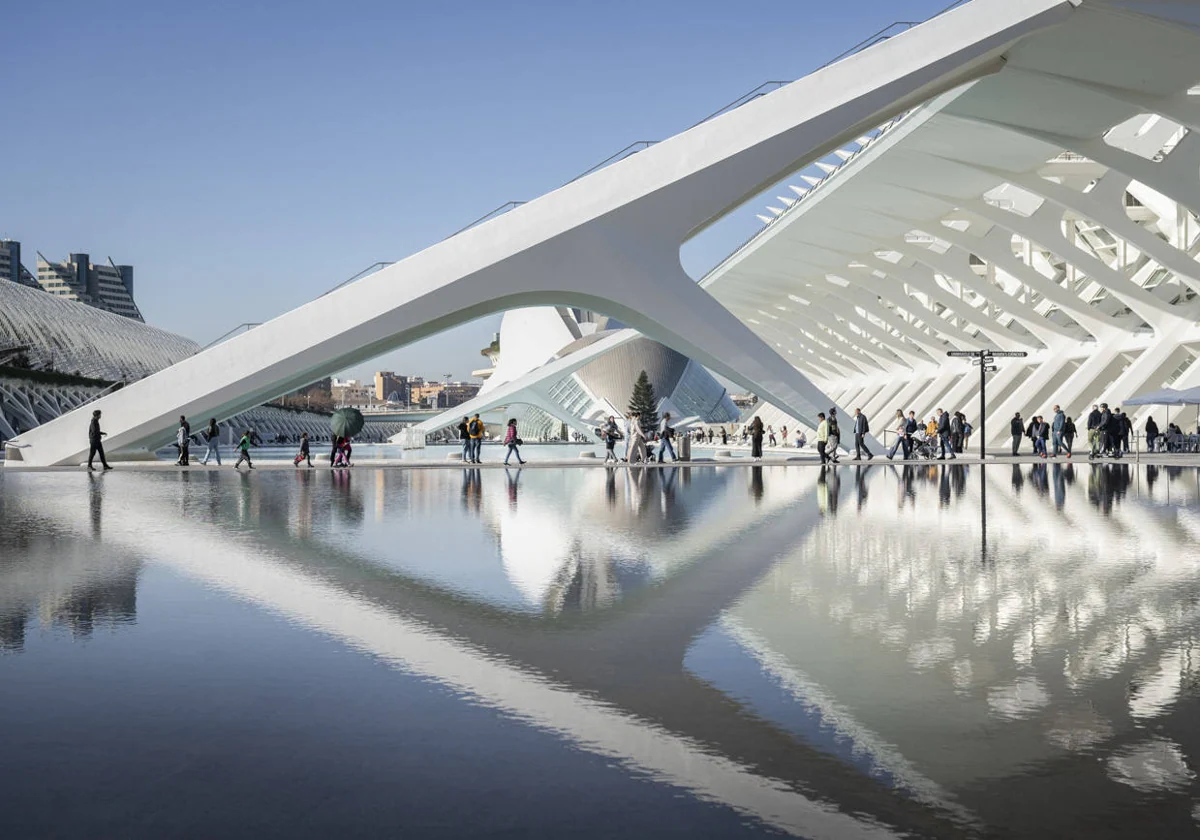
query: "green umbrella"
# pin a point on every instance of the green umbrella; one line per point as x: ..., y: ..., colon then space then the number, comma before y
x: 346, y: 422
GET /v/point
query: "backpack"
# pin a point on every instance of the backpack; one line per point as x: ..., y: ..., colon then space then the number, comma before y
x: 473, y: 427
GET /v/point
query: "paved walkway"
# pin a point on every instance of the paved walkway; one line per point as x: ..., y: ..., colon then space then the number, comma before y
x: 736, y: 458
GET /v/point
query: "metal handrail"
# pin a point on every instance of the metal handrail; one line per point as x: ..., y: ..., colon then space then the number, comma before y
x: 491, y: 214
x: 248, y: 326
x: 371, y: 269
x: 628, y: 151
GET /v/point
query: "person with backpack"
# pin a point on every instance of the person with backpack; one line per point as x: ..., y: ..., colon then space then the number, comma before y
x: 244, y: 451
x: 212, y: 437
x: 512, y: 442
x: 303, y: 454
x: 1069, y: 436
x: 475, y: 434
x: 665, y: 433
x: 861, y: 429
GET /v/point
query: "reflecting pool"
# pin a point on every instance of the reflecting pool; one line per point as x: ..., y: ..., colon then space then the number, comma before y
x: 720, y: 651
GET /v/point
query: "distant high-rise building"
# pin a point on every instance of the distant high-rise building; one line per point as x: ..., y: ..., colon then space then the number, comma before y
x: 10, y: 264
x: 390, y: 387
x: 108, y: 287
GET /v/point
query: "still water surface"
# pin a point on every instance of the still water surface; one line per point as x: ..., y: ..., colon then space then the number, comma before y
x: 940, y: 651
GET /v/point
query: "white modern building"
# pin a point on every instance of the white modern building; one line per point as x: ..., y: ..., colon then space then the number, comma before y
x: 1017, y: 174
x: 544, y: 398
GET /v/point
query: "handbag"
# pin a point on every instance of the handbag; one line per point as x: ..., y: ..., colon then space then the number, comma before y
x: 518, y: 442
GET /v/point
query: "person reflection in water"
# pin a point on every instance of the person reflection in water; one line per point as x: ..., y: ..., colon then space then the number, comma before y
x: 828, y: 487
x: 756, y: 484
x: 860, y: 485
x: 472, y: 491
x: 513, y: 481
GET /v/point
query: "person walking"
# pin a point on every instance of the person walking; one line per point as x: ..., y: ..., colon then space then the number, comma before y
x: 1151, y: 433
x: 95, y: 445
x: 771, y: 436
x: 1093, y: 430
x: 943, y: 431
x: 1108, y: 432
x: 1124, y: 427
x: 244, y: 451
x: 183, y: 437
x: 910, y: 431
x: 1056, y: 431
x: 665, y: 433
x: 901, y: 427
x: 783, y: 438
x: 212, y: 438
x: 475, y: 433
x: 822, y: 437
x: 861, y: 429
x: 465, y: 440
x: 1069, y: 432
x: 303, y: 454
x: 835, y: 437
x: 956, y: 432
x: 513, y: 442
x: 637, y: 440
x: 710, y: 435
x: 611, y: 435
x: 756, y: 438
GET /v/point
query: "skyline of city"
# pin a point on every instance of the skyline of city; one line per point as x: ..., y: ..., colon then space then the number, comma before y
x: 269, y: 193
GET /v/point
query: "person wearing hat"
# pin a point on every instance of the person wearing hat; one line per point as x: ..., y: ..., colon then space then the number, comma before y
x: 96, y: 447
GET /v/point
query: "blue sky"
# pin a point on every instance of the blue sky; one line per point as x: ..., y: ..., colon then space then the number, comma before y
x: 247, y: 156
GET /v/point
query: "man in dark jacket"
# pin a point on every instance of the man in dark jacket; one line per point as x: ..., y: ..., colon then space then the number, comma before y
x: 944, y: 434
x: 861, y: 428
x: 1017, y: 428
x: 1093, y: 430
x: 465, y: 439
x: 1107, y: 432
x: 910, y: 429
x: 96, y: 445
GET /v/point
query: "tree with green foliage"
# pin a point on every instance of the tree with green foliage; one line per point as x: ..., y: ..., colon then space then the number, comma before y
x: 643, y: 402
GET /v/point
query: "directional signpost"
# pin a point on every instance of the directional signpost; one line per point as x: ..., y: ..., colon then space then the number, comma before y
x: 985, y: 361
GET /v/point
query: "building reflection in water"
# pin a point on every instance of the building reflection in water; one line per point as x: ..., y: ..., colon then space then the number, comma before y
x: 874, y: 637
x: 882, y: 640
x: 58, y: 582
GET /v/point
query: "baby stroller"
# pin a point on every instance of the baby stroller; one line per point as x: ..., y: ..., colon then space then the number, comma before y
x: 925, y: 447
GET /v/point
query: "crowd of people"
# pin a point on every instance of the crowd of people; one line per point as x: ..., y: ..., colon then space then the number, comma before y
x: 944, y: 436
